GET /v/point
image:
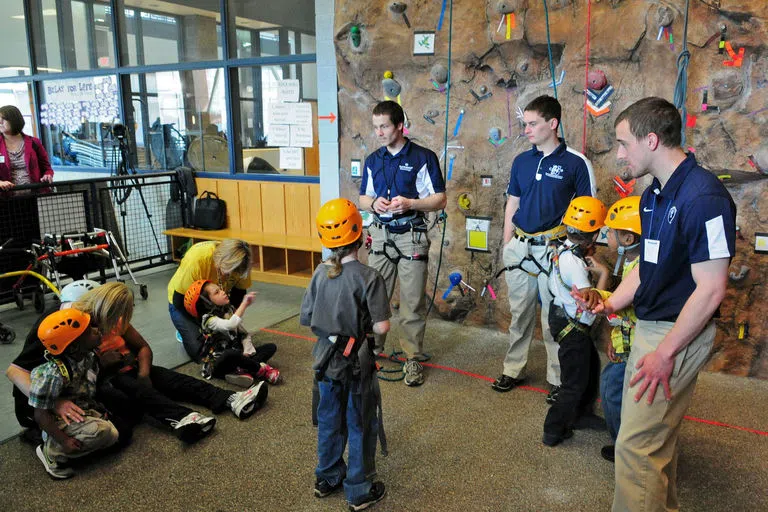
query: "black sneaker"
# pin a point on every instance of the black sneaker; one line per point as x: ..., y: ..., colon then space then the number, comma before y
x: 323, y: 488
x: 506, y: 383
x: 556, y: 439
x: 608, y: 452
x: 552, y: 395
x: 375, y: 495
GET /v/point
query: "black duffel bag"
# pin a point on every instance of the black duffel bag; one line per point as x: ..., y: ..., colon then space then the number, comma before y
x: 210, y: 212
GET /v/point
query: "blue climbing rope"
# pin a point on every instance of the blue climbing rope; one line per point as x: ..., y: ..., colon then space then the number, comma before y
x: 681, y: 84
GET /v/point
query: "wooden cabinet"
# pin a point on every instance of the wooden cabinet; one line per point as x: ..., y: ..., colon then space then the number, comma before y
x: 276, y: 219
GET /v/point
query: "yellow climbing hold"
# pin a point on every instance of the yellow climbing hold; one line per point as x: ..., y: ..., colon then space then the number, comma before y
x: 388, y: 74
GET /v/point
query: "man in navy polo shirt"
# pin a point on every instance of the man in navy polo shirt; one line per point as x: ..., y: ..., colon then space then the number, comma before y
x: 401, y: 182
x: 542, y: 182
x: 688, y: 240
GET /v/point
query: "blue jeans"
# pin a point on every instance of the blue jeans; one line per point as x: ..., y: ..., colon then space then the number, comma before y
x: 191, y: 335
x: 611, y: 387
x: 340, y: 421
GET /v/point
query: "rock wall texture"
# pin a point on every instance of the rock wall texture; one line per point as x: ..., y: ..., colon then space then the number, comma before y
x: 499, y: 61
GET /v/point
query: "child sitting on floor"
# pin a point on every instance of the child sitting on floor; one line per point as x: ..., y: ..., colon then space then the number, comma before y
x: 70, y: 373
x: 579, y: 362
x: 228, y: 352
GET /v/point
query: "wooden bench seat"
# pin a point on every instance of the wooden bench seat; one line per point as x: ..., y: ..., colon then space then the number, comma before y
x: 281, y: 259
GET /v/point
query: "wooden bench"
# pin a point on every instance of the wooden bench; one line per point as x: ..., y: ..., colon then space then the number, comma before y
x: 280, y: 259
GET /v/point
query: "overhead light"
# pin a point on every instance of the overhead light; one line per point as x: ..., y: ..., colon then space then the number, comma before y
x: 246, y: 44
x: 18, y: 17
x: 49, y: 12
x: 100, y: 20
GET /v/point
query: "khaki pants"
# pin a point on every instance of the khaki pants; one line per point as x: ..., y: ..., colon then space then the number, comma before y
x: 95, y: 432
x: 413, y: 283
x: 524, y: 290
x: 646, y: 449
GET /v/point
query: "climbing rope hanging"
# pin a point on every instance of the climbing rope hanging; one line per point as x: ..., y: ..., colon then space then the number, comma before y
x: 551, y: 62
x: 681, y: 84
x: 586, y: 77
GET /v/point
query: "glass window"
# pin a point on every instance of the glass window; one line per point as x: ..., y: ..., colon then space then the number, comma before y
x: 20, y: 95
x: 171, y: 31
x: 260, y: 137
x: 76, y: 117
x: 274, y: 28
x: 178, y: 118
x: 72, y: 35
x: 14, y: 57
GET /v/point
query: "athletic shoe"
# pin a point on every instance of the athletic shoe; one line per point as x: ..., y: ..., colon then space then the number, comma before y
x: 178, y: 337
x: 268, y: 373
x: 247, y: 402
x: 375, y: 495
x: 323, y: 488
x: 554, y: 391
x: 506, y: 383
x: 193, y: 427
x: 414, y: 373
x: 608, y: 452
x: 55, y: 470
x: 206, y: 370
x: 240, y: 378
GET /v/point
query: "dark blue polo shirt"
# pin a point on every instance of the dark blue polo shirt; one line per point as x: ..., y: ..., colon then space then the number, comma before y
x: 414, y: 172
x: 694, y: 219
x: 546, y: 185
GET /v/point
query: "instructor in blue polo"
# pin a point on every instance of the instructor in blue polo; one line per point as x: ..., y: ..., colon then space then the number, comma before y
x: 542, y: 182
x: 688, y: 240
x: 401, y: 182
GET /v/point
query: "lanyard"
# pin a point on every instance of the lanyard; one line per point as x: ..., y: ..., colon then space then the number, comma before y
x: 653, y: 210
x: 395, y: 160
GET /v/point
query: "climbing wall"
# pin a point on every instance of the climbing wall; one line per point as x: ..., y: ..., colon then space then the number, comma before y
x: 463, y: 73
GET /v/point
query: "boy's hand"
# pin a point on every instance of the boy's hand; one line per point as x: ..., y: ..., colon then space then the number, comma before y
x: 610, y: 351
x: 68, y: 411
x: 591, y: 299
x: 597, y: 267
x: 71, y: 445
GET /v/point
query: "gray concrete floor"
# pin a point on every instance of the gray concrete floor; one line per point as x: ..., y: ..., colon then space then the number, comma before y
x: 454, y: 445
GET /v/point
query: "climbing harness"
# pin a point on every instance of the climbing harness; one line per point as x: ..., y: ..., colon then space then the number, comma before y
x: 415, y: 224
x: 573, y: 323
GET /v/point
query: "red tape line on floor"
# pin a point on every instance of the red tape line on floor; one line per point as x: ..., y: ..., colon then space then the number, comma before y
x: 529, y: 388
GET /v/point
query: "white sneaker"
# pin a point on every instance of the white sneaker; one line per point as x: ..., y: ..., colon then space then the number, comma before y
x: 249, y: 401
x: 193, y: 427
x: 53, y: 469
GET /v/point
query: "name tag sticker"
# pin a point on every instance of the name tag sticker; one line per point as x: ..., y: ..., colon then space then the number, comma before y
x: 2, y: 159
x: 651, y: 252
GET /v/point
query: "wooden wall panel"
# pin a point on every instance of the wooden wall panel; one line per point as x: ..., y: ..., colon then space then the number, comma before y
x: 314, y: 202
x: 209, y: 184
x: 312, y: 155
x: 227, y: 190
x: 250, y: 206
x: 297, y: 209
x: 273, y: 208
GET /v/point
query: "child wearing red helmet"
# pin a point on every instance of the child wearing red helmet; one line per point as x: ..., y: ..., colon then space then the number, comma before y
x: 228, y: 351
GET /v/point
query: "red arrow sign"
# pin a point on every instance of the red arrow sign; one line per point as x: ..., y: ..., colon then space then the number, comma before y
x: 330, y: 117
